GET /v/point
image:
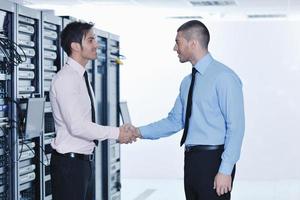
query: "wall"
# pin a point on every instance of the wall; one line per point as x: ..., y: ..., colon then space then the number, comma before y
x: 266, y: 56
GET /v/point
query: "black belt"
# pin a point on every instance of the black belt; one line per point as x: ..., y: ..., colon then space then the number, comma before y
x: 75, y: 155
x: 203, y: 147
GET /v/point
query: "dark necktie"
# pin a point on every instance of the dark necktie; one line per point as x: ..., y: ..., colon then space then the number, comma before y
x: 188, y: 108
x: 91, y: 99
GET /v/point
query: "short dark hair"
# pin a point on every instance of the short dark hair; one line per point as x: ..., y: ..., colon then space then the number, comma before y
x: 74, y: 32
x: 197, y: 29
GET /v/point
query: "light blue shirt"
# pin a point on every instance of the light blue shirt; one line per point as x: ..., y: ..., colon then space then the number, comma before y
x: 217, y: 112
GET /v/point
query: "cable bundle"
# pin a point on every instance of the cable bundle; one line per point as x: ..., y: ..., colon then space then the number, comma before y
x: 10, y: 51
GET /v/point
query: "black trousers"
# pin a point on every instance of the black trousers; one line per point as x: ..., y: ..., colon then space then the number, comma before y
x: 71, y: 178
x: 200, y: 169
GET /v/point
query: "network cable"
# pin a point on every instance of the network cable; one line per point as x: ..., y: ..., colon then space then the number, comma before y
x: 10, y: 51
x: 21, y: 127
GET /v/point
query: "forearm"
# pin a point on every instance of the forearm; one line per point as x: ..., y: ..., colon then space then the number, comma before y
x: 159, y: 129
x: 93, y: 131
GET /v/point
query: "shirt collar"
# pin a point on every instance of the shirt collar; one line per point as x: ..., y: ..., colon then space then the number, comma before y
x: 76, y: 66
x: 203, y: 63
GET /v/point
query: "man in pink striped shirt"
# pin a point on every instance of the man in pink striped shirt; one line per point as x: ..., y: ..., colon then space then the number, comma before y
x: 72, y: 106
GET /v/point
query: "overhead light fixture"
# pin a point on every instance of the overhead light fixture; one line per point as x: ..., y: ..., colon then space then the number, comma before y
x: 213, y: 3
x: 186, y: 17
x: 264, y: 16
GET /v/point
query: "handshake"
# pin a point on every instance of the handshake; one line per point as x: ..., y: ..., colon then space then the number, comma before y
x: 128, y: 134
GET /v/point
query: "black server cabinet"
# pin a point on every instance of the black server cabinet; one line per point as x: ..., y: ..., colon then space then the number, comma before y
x: 99, y: 86
x: 7, y: 17
x: 27, y: 84
x: 111, y: 163
x: 51, y: 63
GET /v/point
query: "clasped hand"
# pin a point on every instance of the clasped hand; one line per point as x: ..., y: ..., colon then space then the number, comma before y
x: 128, y: 134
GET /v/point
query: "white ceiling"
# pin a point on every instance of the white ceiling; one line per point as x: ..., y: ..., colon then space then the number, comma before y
x: 260, y: 8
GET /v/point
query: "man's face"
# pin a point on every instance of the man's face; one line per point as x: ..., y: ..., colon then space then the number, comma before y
x: 89, y: 46
x: 182, y: 48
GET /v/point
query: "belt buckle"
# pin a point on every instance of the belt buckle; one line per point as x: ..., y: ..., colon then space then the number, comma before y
x: 72, y: 155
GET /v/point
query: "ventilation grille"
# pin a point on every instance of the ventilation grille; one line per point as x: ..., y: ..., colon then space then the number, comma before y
x: 213, y: 3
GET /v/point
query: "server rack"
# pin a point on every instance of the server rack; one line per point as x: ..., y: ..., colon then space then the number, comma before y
x: 26, y: 84
x: 51, y: 64
x: 99, y: 82
x: 26, y: 175
x: 7, y: 17
x: 110, y: 148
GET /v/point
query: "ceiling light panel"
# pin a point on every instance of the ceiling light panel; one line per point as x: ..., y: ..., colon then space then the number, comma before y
x: 164, y: 3
x: 186, y: 17
x: 264, y: 16
x: 213, y: 3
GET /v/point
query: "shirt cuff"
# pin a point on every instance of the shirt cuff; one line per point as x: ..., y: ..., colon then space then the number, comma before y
x: 114, y: 134
x: 226, y: 168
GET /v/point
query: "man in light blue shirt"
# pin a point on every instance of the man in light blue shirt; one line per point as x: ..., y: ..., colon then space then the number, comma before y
x: 210, y: 109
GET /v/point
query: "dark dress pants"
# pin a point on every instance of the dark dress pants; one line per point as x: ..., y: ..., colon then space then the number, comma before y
x: 71, y: 178
x: 200, y: 169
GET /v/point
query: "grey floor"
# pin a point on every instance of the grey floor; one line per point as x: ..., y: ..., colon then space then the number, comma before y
x: 154, y: 189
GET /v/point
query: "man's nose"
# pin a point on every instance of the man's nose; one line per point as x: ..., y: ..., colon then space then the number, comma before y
x: 175, y: 47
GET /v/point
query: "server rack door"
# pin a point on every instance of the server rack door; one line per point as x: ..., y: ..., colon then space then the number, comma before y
x: 100, y: 91
x: 111, y: 149
x: 7, y: 16
x: 27, y: 78
x: 51, y: 64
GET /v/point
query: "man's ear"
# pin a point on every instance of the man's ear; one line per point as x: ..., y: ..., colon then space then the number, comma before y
x: 196, y: 44
x: 75, y: 47
x: 193, y: 43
